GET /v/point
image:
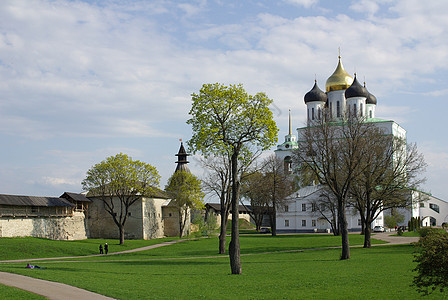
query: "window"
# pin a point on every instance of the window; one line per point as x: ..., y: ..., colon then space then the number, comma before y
x: 359, y: 222
x: 308, y: 112
x: 434, y: 207
x: 319, y: 113
x: 370, y: 114
x: 313, y: 223
x: 354, y: 109
x: 422, y: 204
x: 313, y: 207
x: 331, y: 109
x: 312, y: 113
x: 362, y: 113
x: 303, y: 223
x: 303, y: 206
x: 286, y: 208
x: 338, y: 109
x: 286, y: 223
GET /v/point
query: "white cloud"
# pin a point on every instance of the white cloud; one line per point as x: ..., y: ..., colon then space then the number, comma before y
x: 304, y: 3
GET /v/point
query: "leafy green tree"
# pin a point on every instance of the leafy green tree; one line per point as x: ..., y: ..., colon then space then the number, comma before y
x: 118, y: 181
x: 393, y: 219
x: 432, y: 262
x: 185, y: 191
x: 225, y: 119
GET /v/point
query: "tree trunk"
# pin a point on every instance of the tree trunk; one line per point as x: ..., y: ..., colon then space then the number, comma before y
x: 274, y: 220
x: 343, y: 225
x: 222, y: 234
x: 367, y: 236
x: 363, y: 228
x: 121, y: 229
x: 234, y: 246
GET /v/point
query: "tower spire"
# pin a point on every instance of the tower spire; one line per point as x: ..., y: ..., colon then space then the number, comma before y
x: 182, y: 159
x: 289, y: 132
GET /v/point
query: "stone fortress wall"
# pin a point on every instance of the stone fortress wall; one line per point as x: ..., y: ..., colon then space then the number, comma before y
x: 56, y: 228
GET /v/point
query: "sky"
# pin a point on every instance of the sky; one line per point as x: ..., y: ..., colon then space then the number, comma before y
x: 84, y: 80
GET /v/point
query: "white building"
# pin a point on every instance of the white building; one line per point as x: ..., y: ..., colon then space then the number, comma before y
x: 344, y: 96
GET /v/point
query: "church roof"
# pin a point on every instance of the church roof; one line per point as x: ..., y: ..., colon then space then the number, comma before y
x: 371, y: 99
x: 315, y: 94
x: 339, y: 80
x: 356, y: 90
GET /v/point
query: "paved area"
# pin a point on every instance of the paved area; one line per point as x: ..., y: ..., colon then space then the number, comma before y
x: 393, y: 239
x: 60, y: 291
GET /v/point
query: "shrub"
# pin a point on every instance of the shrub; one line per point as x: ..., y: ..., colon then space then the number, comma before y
x: 432, y: 262
x: 424, y: 231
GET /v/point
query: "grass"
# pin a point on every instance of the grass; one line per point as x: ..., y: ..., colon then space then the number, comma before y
x: 382, y: 272
x: 29, y: 247
x: 8, y: 292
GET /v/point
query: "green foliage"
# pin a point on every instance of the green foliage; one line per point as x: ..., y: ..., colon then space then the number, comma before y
x: 432, y: 262
x: 121, y: 176
x: 185, y: 189
x: 414, y: 224
x: 425, y: 231
x: 226, y: 117
x: 393, y: 219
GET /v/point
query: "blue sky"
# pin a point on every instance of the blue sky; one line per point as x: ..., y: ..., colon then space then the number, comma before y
x: 84, y: 80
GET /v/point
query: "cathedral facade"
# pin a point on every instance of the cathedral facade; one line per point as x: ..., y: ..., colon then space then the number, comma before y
x: 344, y: 96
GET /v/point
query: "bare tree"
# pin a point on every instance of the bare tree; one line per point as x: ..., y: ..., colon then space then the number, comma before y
x: 389, y: 168
x: 252, y: 190
x: 326, y: 207
x: 332, y: 151
x: 276, y: 186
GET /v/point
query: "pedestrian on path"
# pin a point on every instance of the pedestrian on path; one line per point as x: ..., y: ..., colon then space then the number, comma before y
x: 101, y: 249
x: 106, y: 248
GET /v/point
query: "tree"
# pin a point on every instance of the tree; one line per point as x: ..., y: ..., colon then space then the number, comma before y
x: 185, y: 191
x: 432, y: 262
x: 393, y: 219
x: 225, y: 119
x: 118, y: 181
x: 388, y: 171
x: 326, y: 207
x: 332, y: 152
x: 276, y: 187
x: 217, y: 182
x: 252, y: 190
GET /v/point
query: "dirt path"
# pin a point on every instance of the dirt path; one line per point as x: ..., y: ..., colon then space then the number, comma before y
x: 55, y: 290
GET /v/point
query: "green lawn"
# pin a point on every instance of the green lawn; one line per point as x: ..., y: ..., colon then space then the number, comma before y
x: 8, y: 292
x: 382, y: 272
x: 29, y: 247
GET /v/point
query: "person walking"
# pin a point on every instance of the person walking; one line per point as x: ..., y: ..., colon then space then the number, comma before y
x: 101, y: 249
x: 106, y: 248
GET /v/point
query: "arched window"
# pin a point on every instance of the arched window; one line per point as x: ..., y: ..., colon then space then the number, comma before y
x: 338, y: 109
x: 331, y: 109
x: 287, y: 165
x: 312, y: 113
x: 370, y: 114
x: 362, y: 113
x: 354, y: 109
x: 319, y: 113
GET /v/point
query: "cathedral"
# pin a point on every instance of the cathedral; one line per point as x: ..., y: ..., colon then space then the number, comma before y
x: 343, y: 96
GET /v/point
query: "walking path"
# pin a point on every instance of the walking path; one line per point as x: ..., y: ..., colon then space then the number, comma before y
x: 60, y: 291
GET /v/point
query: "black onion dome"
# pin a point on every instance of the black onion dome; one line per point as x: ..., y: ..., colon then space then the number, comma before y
x: 371, y: 99
x: 316, y: 94
x: 356, y: 90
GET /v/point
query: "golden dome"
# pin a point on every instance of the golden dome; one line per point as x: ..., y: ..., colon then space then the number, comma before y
x: 339, y: 80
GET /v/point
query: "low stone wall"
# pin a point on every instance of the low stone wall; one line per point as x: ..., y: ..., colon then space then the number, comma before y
x: 56, y: 228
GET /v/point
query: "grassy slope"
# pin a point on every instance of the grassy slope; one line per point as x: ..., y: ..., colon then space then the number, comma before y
x: 28, y: 247
x: 378, y: 273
